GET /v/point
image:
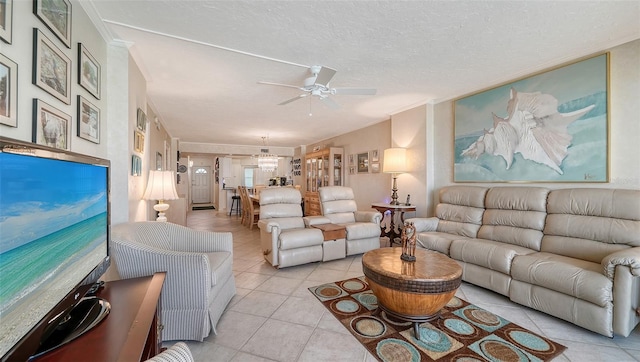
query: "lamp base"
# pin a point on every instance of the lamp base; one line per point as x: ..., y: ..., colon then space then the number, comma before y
x: 161, y: 207
x: 394, y: 191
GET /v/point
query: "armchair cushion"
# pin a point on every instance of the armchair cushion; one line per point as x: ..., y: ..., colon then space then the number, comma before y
x: 362, y: 230
x: 299, y: 238
x: 221, y: 264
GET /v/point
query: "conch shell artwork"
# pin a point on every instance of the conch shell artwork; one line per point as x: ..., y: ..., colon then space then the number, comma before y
x: 533, y: 127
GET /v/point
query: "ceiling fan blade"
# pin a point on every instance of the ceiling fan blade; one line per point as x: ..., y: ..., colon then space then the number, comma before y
x: 330, y: 102
x: 325, y: 75
x: 280, y: 85
x: 354, y: 91
x: 293, y: 99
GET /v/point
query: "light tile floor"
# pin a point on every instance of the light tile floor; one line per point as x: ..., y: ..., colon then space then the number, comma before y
x: 273, y: 316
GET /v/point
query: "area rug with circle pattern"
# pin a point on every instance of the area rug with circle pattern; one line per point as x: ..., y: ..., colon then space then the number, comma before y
x: 464, y: 332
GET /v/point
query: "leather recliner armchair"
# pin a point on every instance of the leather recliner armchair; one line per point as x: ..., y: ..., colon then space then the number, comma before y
x: 363, y: 227
x: 284, y: 239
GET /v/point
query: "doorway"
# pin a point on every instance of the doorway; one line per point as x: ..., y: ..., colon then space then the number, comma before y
x: 201, y: 185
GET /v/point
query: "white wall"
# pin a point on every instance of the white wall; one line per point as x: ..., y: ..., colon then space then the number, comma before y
x: 408, y: 130
x: 367, y: 187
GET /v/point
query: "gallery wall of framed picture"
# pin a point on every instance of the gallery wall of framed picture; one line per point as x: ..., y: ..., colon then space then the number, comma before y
x: 50, y: 76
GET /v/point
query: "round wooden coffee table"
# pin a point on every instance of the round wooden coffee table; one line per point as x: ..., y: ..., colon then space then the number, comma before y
x: 411, y: 291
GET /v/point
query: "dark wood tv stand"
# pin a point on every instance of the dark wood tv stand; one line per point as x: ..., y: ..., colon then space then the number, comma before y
x: 131, y: 331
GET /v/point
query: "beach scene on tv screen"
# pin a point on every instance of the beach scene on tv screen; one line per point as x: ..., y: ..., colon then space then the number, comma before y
x: 53, y: 231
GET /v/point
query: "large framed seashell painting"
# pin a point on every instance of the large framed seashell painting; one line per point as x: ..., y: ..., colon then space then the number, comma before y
x: 548, y: 127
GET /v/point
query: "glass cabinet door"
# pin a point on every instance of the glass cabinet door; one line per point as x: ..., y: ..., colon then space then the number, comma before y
x: 337, y: 170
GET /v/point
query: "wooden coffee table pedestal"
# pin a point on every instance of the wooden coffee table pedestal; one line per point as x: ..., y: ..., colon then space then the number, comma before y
x: 411, y: 291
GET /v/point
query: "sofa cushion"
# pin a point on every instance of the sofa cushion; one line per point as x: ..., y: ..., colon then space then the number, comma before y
x: 577, y: 278
x: 489, y: 254
x: 433, y: 240
x: 589, y: 224
x: 515, y: 215
x: 460, y: 210
x: 221, y: 264
x: 459, y: 220
x: 300, y: 238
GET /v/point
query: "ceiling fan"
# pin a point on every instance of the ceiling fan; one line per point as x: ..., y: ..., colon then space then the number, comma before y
x: 318, y: 85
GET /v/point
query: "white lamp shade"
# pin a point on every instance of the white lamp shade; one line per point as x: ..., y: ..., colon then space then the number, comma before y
x: 161, y: 186
x: 395, y: 160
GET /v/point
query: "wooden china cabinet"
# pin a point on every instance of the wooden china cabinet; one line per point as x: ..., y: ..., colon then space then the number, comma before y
x: 322, y: 168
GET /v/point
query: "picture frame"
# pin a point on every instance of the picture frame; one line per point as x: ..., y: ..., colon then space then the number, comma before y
x: 89, y: 71
x: 51, y: 126
x: 141, y: 120
x: 167, y: 151
x: 552, y: 126
x: 88, y: 126
x: 352, y: 170
x: 8, y: 92
x: 136, y: 165
x: 375, y: 167
x: 158, y: 161
x: 138, y: 141
x: 51, y: 68
x: 374, y: 156
x: 56, y: 15
x: 352, y: 161
x: 363, y: 162
x: 6, y: 21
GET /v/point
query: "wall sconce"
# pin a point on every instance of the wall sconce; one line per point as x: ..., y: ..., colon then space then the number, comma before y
x: 161, y: 187
x: 395, y: 162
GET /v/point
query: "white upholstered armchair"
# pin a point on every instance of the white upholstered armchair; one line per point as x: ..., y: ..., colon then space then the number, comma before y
x: 199, y: 282
x: 363, y: 227
x: 285, y: 240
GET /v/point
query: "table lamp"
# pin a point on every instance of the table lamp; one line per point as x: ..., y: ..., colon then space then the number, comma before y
x: 161, y: 186
x: 395, y: 162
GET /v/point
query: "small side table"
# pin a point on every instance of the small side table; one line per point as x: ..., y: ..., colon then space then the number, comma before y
x: 334, y: 246
x: 391, y: 233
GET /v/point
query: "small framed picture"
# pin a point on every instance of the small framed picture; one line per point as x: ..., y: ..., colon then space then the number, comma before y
x: 8, y: 92
x: 363, y: 162
x: 56, y: 15
x: 6, y: 20
x: 375, y: 167
x: 158, y: 161
x: 352, y: 170
x: 51, y: 68
x: 374, y: 156
x: 138, y: 141
x: 88, y: 120
x: 88, y: 71
x: 136, y: 165
x: 351, y: 160
x: 141, y: 120
x: 51, y: 126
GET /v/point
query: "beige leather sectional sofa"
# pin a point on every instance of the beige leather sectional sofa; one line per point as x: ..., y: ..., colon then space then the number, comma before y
x: 572, y: 253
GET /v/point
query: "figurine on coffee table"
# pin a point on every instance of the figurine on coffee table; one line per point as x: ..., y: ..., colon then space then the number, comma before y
x: 408, y: 242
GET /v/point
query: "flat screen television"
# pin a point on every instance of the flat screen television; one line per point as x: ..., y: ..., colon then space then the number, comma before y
x: 54, y: 246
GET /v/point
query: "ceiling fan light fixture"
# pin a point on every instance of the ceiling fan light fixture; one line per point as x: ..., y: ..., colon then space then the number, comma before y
x: 318, y: 85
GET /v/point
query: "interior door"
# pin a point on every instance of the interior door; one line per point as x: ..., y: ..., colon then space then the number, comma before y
x: 201, y: 185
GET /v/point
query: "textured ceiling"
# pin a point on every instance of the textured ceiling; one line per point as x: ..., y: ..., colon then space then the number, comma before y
x: 203, y: 59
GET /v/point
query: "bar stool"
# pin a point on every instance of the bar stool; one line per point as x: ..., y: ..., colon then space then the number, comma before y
x: 235, y: 200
